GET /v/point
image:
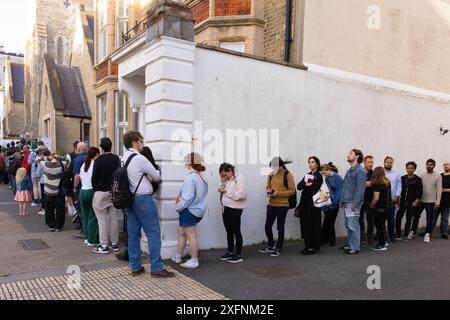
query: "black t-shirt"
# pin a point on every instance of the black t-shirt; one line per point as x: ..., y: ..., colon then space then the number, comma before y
x: 368, y: 193
x: 385, y: 195
x: 445, y: 199
x: 102, y: 172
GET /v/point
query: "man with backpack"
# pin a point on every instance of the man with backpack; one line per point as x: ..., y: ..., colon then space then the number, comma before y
x: 134, y: 194
x: 106, y: 213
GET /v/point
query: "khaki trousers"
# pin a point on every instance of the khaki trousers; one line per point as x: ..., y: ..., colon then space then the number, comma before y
x: 107, y: 217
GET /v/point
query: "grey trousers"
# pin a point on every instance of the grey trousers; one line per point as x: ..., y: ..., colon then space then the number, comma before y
x: 107, y: 217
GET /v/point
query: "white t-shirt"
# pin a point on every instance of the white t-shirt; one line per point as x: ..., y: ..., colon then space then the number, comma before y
x: 86, y: 177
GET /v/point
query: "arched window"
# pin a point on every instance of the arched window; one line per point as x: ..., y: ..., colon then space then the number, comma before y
x: 59, y: 51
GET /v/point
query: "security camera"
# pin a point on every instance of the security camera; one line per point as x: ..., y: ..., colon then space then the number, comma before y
x: 444, y: 131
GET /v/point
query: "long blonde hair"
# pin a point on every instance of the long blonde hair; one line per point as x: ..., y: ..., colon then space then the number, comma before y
x: 20, y: 175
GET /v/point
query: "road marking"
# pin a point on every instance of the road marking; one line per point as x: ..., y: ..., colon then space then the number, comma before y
x: 7, y: 203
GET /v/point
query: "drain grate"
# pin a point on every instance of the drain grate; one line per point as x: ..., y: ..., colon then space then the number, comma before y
x: 34, y: 244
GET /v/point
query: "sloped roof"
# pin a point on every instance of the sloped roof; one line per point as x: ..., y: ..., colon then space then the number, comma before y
x: 18, y: 81
x: 73, y: 94
x: 67, y: 89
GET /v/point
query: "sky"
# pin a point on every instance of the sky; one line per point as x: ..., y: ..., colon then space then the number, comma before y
x: 16, y: 23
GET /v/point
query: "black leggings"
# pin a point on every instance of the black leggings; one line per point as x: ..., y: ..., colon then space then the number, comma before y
x: 380, y: 218
x: 328, y: 230
x: 232, y: 222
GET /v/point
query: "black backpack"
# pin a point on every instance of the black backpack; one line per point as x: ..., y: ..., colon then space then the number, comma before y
x: 65, y: 182
x: 293, y: 198
x: 121, y: 195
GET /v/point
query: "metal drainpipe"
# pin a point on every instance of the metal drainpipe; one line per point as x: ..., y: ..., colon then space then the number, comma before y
x: 288, y: 31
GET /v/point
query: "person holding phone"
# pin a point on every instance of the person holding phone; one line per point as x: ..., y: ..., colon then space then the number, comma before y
x: 278, y: 207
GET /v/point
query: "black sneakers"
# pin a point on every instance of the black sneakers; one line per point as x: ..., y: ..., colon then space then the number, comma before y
x: 276, y: 253
x: 267, y: 250
x: 235, y: 259
x: 227, y: 256
x: 101, y: 250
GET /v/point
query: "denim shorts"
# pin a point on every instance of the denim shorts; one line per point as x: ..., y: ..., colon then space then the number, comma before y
x: 187, y: 219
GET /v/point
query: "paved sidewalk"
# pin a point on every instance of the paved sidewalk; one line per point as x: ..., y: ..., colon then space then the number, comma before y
x: 43, y: 274
x: 107, y: 284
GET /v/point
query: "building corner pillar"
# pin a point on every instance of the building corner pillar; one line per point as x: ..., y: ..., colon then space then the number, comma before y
x: 168, y: 113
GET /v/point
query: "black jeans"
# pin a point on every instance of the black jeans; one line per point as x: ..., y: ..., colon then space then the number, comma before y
x: 368, y: 214
x: 391, y: 220
x: 232, y: 222
x: 411, y: 213
x: 55, y: 212
x: 328, y: 234
x: 42, y: 196
x: 380, y: 223
x: 431, y: 212
x: 279, y: 214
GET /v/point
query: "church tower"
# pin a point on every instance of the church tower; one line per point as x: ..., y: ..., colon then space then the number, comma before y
x: 53, y: 34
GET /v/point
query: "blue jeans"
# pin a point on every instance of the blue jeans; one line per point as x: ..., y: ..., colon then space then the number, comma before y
x: 354, y: 232
x: 143, y: 215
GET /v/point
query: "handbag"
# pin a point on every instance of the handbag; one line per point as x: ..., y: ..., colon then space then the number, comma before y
x: 323, y: 197
x: 297, y: 212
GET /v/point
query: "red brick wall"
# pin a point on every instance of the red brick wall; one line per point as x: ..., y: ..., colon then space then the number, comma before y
x: 232, y: 7
x: 201, y: 11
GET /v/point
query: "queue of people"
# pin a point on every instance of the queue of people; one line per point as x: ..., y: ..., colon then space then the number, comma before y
x: 374, y: 201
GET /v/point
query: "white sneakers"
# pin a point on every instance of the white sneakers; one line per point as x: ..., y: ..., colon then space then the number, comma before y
x: 426, y: 238
x: 176, y: 259
x: 411, y: 235
x: 190, y: 264
x: 41, y: 213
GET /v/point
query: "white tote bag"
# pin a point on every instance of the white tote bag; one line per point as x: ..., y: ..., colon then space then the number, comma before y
x: 323, y: 197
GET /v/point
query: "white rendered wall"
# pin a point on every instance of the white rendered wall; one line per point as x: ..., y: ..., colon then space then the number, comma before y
x: 317, y: 114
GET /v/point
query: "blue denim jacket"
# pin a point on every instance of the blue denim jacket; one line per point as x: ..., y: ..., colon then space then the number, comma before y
x: 26, y: 184
x: 354, y: 186
x: 334, y: 183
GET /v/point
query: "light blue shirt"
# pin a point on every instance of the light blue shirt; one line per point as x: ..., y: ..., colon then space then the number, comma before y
x: 396, y: 183
x: 193, y: 195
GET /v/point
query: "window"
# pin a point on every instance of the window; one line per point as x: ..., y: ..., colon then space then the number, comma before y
x: 235, y: 46
x: 103, y: 26
x: 59, y: 51
x: 122, y: 109
x: 121, y: 21
x: 101, y: 104
x: 47, y: 128
x: 86, y: 133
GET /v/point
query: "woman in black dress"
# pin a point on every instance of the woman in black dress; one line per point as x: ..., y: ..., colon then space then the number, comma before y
x: 310, y: 216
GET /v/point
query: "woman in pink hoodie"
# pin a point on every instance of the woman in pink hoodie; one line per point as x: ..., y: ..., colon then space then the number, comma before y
x: 233, y: 195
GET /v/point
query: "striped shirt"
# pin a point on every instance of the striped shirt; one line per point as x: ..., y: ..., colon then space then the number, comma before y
x: 53, y: 174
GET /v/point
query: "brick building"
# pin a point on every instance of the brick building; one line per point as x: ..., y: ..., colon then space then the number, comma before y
x: 267, y: 28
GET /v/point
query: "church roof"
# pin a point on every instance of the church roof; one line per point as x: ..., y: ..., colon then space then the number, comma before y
x: 18, y: 81
x: 67, y: 89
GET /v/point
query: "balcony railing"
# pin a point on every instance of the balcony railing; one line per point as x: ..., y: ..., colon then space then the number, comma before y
x: 106, y: 69
x: 138, y: 27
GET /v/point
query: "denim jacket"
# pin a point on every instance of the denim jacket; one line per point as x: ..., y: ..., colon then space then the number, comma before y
x: 334, y: 183
x: 354, y: 186
x: 25, y: 185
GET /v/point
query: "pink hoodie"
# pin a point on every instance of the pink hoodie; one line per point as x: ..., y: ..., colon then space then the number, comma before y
x: 236, y: 195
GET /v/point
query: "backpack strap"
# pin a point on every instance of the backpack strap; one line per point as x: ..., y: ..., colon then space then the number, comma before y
x: 126, y: 167
x: 285, y: 179
x: 129, y: 160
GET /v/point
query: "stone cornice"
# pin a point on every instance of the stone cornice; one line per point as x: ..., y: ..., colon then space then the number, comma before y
x: 230, y: 21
